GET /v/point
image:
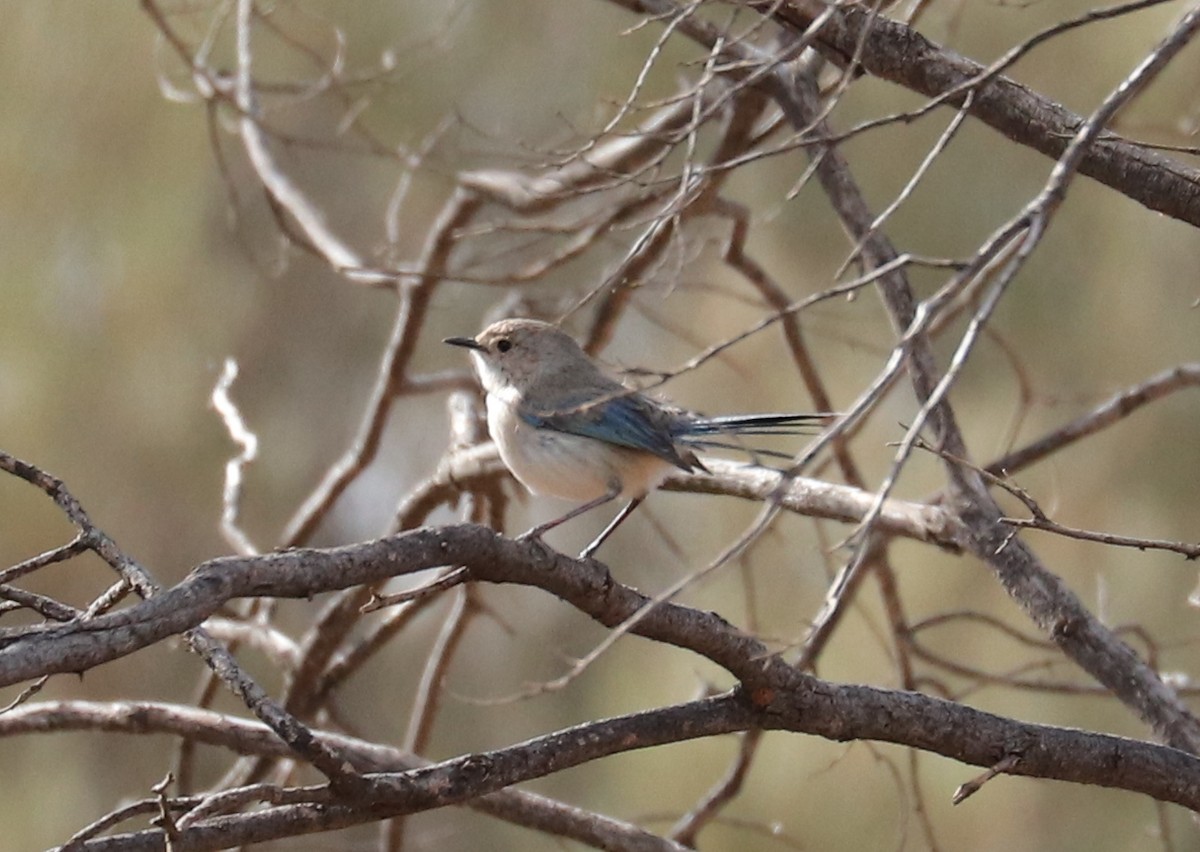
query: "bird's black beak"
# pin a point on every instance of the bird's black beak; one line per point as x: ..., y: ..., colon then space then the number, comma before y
x: 465, y: 342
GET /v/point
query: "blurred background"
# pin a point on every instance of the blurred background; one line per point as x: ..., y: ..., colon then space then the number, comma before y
x: 135, y: 261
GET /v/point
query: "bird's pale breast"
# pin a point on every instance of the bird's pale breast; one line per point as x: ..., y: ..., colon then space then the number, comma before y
x: 572, y: 467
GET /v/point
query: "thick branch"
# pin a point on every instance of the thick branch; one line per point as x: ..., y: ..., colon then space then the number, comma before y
x: 252, y: 738
x: 893, y: 51
x: 793, y: 702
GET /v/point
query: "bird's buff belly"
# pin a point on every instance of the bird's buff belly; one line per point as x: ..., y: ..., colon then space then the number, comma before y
x: 573, y: 467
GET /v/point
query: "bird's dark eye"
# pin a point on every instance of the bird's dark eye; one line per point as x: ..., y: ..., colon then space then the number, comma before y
x: 503, y: 344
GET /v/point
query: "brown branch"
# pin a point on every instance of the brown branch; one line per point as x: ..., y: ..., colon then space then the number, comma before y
x: 1047, y: 600
x: 1006, y: 764
x: 788, y: 700
x: 302, y: 573
x: 725, y: 791
x: 893, y: 51
x: 415, y: 296
x: 430, y: 689
x: 251, y: 738
x: 1040, y: 522
x: 284, y: 192
x: 819, y: 499
x: 59, y: 554
x: 1120, y: 406
x: 216, y: 656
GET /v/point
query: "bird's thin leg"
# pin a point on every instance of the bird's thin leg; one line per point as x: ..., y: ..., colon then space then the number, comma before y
x: 541, y: 529
x: 607, y: 531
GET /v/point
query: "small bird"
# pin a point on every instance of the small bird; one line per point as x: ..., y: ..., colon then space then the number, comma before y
x: 566, y: 429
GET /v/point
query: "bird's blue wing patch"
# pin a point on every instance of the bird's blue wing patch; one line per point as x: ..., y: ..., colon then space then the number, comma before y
x: 623, y: 420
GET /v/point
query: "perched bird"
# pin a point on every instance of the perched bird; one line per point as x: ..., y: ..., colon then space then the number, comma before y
x: 566, y: 429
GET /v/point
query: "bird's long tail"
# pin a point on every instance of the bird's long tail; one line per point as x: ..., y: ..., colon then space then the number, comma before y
x: 698, y: 430
x: 759, y: 424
